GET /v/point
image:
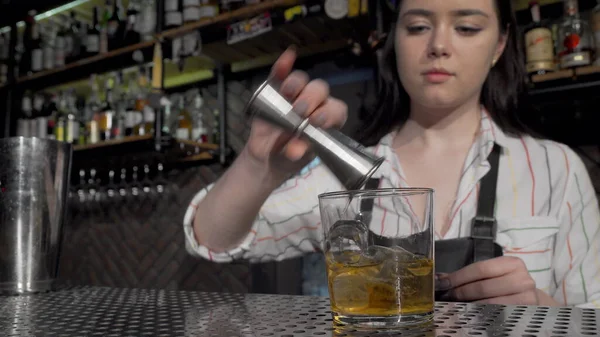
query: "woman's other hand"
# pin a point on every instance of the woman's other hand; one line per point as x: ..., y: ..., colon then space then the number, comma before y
x: 502, y: 280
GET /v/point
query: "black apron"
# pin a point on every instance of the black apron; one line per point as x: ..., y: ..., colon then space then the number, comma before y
x: 454, y: 254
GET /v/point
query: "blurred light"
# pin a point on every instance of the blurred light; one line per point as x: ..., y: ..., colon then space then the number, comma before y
x: 48, y: 14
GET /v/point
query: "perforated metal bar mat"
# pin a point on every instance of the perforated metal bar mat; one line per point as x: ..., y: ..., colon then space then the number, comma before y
x: 89, y: 311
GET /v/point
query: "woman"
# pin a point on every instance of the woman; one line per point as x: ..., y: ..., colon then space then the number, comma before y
x: 452, y: 74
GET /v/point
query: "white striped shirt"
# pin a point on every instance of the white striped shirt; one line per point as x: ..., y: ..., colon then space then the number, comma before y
x: 546, y: 209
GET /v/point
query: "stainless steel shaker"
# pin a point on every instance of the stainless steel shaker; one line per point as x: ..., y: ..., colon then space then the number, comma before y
x: 34, y: 181
x: 349, y: 161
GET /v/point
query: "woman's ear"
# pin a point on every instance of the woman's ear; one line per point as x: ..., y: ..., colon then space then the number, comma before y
x: 500, y: 46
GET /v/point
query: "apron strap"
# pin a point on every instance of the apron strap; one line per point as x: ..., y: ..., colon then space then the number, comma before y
x: 483, y: 230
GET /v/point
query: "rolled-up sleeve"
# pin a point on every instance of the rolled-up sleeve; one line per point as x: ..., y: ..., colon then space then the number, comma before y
x: 577, y: 251
x: 288, y: 224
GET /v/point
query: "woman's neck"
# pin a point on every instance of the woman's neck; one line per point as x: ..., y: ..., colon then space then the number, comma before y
x: 443, y: 128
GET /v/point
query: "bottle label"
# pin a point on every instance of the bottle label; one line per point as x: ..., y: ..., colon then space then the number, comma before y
x: 112, y: 28
x: 38, y: 102
x: 42, y: 127
x: 196, y: 133
x: 59, y: 52
x: 59, y: 131
x: 59, y: 58
x: 539, y: 45
x: 576, y: 59
x: 191, y: 44
x: 93, y: 43
x: 130, y: 118
x: 182, y: 133
x: 131, y: 22
x: 173, y: 19
x: 208, y: 11
x: 71, y: 131
x: 171, y: 5
x: 103, y: 41
x: 48, y: 58
x: 192, y: 14
x: 106, y: 120
x: 69, y: 45
x: 187, y: 3
x: 148, y: 114
x: 37, y: 58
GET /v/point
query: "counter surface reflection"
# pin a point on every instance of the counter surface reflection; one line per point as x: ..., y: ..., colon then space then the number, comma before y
x: 95, y: 311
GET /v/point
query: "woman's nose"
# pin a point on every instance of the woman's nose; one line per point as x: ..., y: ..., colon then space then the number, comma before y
x: 439, y: 44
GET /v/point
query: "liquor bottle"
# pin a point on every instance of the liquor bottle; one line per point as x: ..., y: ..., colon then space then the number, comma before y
x: 173, y: 14
x: 173, y: 19
x: 106, y: 15
x: 216, y: 132
x: 41, y: 119
x: 114, y: 26
x: 108, y: 113
x: 119, y: 104
x: 576, y: 37
x: 596, y: 31
x: 34, y: 50
x: 48, y: 42
x: 72, y: 42
x: 199, y: 132
x: 93, y: 36
x: 192, y: 10
x: 538, y: 44
x: 61, y: 119
x: 49, y: 112
x: 72, y: 124
x: 146, y: 22
x: 24, y: 124
x: 93, y: 113
x: 184, y: 126
x: 60, y: 44
x: 4, y: 57
x: 131, y: 35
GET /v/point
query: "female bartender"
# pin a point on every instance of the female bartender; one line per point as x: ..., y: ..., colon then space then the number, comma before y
x: 447, y: 118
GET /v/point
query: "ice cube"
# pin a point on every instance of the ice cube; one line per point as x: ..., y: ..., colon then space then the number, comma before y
x: 396, y: 262
x: 346, y: 241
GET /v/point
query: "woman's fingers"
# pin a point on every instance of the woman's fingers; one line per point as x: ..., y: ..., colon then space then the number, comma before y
x: 332, y: 114
x: 506, y: 285
x: 284, y: 64
x: 294, y: 84
x: 312, y: 96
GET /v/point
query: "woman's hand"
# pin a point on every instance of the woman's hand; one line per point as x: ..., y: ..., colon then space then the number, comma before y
x: 278, y: 151
x: 502, y: 280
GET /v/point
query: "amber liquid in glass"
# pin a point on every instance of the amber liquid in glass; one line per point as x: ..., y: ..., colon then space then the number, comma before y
x: 400, y: 283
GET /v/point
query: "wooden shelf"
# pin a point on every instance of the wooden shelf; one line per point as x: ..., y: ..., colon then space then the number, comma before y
x: 243, y: 12
x: 222, y: 18
x: 176, y: 148
x: 566, y: 73
x: 109, y: 143
x: 565, y: 80
x: 87, y: 61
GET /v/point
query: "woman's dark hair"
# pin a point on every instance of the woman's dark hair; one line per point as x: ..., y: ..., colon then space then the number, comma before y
x: 502, y: 93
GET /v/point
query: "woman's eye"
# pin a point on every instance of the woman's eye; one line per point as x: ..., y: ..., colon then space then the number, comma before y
x: 416, y: 29
x: 467, y: 30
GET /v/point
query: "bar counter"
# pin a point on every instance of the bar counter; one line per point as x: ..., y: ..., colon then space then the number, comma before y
x: 99, y: 311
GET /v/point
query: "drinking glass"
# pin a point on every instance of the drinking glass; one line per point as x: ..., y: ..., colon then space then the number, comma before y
x: 378, y: 247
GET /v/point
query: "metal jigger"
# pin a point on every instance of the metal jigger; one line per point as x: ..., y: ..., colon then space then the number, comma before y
x: 346, y: 158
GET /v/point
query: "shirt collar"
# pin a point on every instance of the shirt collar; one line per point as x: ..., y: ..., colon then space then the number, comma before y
x: 489, y: 133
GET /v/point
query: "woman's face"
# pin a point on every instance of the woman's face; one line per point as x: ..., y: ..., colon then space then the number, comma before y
x: 445, y: 49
